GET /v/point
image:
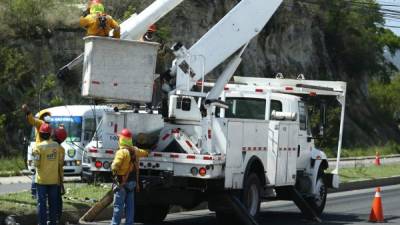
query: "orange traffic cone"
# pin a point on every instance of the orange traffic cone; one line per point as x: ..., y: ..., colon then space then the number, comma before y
x: 377, y: 209
x: 377, y: 161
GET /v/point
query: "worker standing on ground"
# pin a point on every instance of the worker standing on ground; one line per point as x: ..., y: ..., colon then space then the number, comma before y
x: 48, y: 160
x: 60, y: 134
x: 97, y: 22
x: 44, y: 117
x: 126, y: 167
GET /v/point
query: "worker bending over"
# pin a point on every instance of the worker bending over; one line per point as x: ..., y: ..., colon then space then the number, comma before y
x: 126, y: 167
x: 49, y: 161
x: 97, y: 22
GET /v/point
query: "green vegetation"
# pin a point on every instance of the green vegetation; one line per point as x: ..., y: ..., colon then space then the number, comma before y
x: 389, y: 149
x: 368, y: 173
x: 11, y: 166
x: 356, y: 38
x: 78, y: 199
x: 386, y: 96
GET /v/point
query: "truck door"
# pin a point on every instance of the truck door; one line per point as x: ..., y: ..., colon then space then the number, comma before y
x: 286, y: 154
x: 292, y: 154
x: 303, y: 146
x: 233, y: 171
x: 282, y: 154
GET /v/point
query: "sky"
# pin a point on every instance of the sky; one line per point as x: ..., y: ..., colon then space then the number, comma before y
x: 392, y: 23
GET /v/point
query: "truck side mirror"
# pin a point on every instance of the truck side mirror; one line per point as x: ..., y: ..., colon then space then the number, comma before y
x: 321, y: 130
x: 322, y: 120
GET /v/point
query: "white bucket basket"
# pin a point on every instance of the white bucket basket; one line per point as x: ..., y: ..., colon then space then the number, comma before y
x: 116, y: 69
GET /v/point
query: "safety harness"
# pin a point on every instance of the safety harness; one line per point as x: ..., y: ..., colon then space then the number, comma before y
x: 120, y: 180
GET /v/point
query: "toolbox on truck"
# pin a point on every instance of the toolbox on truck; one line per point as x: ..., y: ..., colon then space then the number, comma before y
x: 116, y: 69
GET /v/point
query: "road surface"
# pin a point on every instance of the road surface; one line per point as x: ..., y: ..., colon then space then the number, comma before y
x: 22, y: 183
x: 345, y: 208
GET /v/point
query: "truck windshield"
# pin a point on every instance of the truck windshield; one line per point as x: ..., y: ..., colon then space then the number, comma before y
x: 246, y: 108
x: 73, y: 125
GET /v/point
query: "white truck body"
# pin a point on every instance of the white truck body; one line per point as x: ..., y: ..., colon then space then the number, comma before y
x: 79, y: 121
x: 99, y: 153
x: 251, y: 138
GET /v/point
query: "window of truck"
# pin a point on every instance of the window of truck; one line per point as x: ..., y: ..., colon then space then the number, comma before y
x: 245, y: 108
x: 302, y: 116
x: 89, y: 129
x: 73, y: 125
x: 275, y: 106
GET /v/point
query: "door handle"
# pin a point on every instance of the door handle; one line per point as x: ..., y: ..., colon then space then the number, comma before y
x: 298, y: 151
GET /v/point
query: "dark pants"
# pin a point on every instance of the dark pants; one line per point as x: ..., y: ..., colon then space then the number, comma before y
x: 50, y: 194
x: 60, y: 204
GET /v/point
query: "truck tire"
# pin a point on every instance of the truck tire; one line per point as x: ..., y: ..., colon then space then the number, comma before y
x: 251, y: 199
x: 151, y: 213
x: 251, y: 195
x: 318, y: 202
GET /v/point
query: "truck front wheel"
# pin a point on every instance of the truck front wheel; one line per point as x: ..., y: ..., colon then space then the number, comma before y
x: 250, y: 198
x: 151, y: 213
x: 318, y: 201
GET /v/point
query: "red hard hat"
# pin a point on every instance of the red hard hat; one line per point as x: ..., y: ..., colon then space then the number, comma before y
x: 60, y: 134
x: 45, y: 128
x: 95, y: 1
x: 152, y: 28
x: 126, y: 133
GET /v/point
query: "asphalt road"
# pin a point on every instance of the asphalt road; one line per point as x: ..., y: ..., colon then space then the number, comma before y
x: 345, y: 208
x: 22, y: 183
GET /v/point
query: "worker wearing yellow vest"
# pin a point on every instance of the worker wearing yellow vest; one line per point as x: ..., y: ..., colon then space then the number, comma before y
x: 44, y: 117
x: 126, y: 169
x: 49, y: 161
x: 97, y: 22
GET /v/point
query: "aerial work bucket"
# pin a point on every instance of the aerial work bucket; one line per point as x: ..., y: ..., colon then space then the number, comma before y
x: 116, y: 69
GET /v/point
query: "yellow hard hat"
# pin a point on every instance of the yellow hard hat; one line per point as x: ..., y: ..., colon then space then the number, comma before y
x: 42, y: 114
x: 96, y: 8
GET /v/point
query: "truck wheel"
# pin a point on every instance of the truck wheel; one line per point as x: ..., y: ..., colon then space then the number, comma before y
x: 251, y: 195
x: 318, y: 202
x: 251, y: 199
x: 151, y: 213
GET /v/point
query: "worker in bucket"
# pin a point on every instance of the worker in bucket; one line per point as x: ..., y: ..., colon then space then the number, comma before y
x: 44, y: 117
x: 60, y: 134
x: 48, y: 160
x: 125, y: 168
x: 97, y: 22
x: 149, y: 35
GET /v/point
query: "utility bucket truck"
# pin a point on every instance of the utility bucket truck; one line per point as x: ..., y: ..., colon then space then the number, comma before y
x: 250, y: 139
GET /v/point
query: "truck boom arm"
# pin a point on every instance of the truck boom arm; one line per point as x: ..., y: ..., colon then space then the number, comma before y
x: 237, y: 28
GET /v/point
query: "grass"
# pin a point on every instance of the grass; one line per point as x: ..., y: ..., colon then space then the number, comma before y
x: 77, y: 200
x: 387, y: 149
x: 11, y: 166
x: 368, y: 173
